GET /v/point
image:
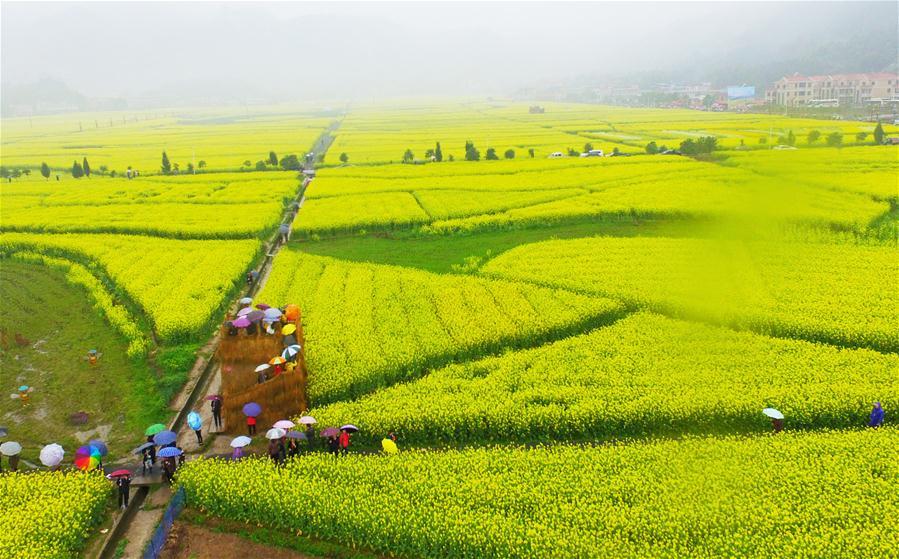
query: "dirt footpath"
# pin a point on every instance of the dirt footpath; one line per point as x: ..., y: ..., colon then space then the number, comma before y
x: 188, y: 541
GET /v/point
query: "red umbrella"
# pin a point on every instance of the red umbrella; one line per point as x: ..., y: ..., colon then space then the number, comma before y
x: 213, y: 397
x: 120, y: 473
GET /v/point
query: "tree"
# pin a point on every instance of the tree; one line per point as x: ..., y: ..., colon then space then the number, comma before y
x: 291, y: 163
x: 16, y: 173
x: 791, y: 138
x: 45, y: 170
x: 763, y: 140
x: 588, y: 147
x: 491, y: 154
x: 835, y: 139
x: 531, y: 152
x: 616, y: 151
x: 471, y: 152
x: 77, y: 171
x: 260, y: 165
x: 4, y: 172
x: 247, y: 163
x: 861, y: 136
x: 652, y: 148
x: 510, y: 154
x: 86, y: 168
x: 273, y: 159
x: 201, y: 164
x: 104, y: 169
x: 708, y: 101
x: 344, y: 158
x: 176, y: 168
x: 438, y: 153
x: 451, y: 158
x: 879, y: 134
x: 408, y: 156
x: 429, y: 153
x: 573, y: 152
x: 813, y: 136
x: 190, y: 168
x: 166, y: 164
x: 26, y: 172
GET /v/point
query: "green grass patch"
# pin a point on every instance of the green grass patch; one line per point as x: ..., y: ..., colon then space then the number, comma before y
x: 48, y: 326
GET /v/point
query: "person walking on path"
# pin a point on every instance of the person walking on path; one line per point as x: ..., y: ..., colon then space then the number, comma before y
x: 310, y: 437
x: 199, y: 434
x: 251, y: 426
x: 146, y: 462
x: 344, y: 442
x: 168, y: 469
x: 14, y: 463
x: 124, y: 485
x: 284, y: 233
x: 217, y: 413
x: 152, y: 451
x: 274, y: 451
x: 334, y: 445
x: 876, y: 416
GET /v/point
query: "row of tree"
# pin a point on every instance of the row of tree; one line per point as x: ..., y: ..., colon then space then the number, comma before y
x: 472, y: 153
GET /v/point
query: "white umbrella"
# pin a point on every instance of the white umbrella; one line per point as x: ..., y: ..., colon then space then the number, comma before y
x: 308, y: 420
x: 51, y: 455
x: 284, y: 424
x: 275, y: 433
x: 290, y: 351
x: 246, y: 301
x: 10, y: 448
x: 262, y: 367
x: 773, y: 413
x: 240, y: 442
x: 272, y: 313
x: 244, y: 311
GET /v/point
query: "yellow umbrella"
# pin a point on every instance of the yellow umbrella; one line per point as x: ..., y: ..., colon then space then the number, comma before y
x: 389, y: 446
x: 289, y: 329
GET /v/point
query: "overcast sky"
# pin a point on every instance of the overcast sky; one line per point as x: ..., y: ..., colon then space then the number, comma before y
x: 361, y: 50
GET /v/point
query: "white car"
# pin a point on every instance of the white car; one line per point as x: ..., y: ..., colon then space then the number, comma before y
x: 556, y: 154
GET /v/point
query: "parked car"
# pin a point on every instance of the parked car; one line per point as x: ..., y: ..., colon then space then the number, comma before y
x: 556, y: 154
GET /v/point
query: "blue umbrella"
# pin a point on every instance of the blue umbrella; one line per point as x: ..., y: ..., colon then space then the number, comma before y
x: 194, y: 420
x: 165, y: 437
x: 101, y: 446
x: 169, y: 452
x: 252, y: 409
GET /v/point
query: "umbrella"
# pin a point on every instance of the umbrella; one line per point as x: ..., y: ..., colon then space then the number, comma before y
x: 308, y: 420
x: 153, y: 429
x: 169, y: 452
x: 350, y: 428
x: 289, y: 340
x: 87, y: 457
x: 3, y: 431
x: 275, y: 434
x: 289, y: 329
x: 240, y: 442
x: 296, y: 435
x: 120, y: 473
x: 245, y: 311
x: 389, y: 446
x: 100, y: 445
x: 272, y: 313
x: 241, y: 322
x: 92, y: 351
x: 329, y: 432
x: 246, y: 301
x: 292, y: 312
x: 213, y: 397
x: 10, y: 448
x: 252, y: 409
x: 194, y: 421
x: 262, y: 367
x: 163, y: 438
x: 142, y: 448
x: 277, y: 360
x: 51, y: 455
x: 284, y: 424
x: 23, y: 388
x: 290, y: 351
x: 263, y: 307
x: 255, y: 316
x: 773, y: 413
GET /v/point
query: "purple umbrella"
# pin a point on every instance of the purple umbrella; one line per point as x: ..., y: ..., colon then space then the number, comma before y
x: 244, y: 311
x: 262, y: 306
x: 329, y: 432
x: 254, y: 316
x: 296, y: 435
x: 100, y: 445
x: 252, y: 409
x: 241, y: 322
x: 163, y: 438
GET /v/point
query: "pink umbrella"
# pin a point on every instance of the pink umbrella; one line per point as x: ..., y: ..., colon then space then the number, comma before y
x: 241, y: 322
x: 244, y: 311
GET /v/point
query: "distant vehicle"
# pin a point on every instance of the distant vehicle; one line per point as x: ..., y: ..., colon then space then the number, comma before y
x: 669, y: 152
x: 309, y: 173
x: 592, y: 153
x: 782, y: 146
x: 556, y: 154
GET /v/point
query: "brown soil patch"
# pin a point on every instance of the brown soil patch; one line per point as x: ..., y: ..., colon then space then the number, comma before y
x: 188, y: 541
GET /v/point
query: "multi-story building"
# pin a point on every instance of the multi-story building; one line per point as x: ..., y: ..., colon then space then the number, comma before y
x: 835, y: 89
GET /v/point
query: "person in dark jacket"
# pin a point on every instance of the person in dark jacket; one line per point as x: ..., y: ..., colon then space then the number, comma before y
x: 876, y: 416
x: 124, y: 485
x: 217, y: 413
x: 168, y: 469
x: 274, y: 451
x: 293, y: 449
x: 146, y: 462
x: 334, y: 445
x: 152, y: 450
x: 310, y: 437
x: 14, y: 463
